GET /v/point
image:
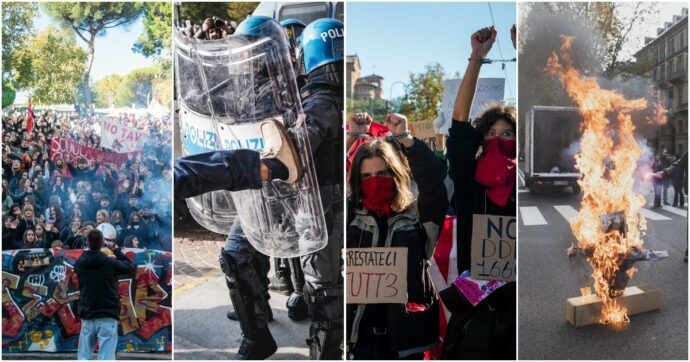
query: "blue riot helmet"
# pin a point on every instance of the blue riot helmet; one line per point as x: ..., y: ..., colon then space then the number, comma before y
x: 256, y: 25
x: 322, y: 49
x: 293, y: 29
x: 293, y: 22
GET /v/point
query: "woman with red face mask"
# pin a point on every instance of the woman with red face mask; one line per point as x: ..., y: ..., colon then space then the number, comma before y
x: 482, y: 165
x: 396, y: 199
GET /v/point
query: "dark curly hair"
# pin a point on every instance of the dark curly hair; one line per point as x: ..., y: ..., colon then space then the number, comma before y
x: 491, y: 113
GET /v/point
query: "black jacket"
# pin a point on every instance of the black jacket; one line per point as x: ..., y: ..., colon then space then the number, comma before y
x: 470, y: 197
x: 680, y: 166
x: 322, y: 104
x: 88, y: 174
x: 486, y: 331
x: 99, y: 295
x: 9, y: 239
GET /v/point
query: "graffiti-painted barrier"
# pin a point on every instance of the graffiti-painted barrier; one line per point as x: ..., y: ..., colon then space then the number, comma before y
x: 40, y: 293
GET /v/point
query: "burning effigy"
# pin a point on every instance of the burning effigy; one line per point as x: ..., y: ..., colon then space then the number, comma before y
x: 608, y: 228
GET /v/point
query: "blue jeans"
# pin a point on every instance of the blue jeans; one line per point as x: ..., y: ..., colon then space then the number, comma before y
x: 103, y: 330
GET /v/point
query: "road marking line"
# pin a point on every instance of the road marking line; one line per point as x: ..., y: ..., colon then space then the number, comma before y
x: 177, y: 292
x: 567, y: 211
x: 521, y: 191
x: 653, y: 215
x: 522, y: 178
x: 675, y: 210
x: 532, y: 216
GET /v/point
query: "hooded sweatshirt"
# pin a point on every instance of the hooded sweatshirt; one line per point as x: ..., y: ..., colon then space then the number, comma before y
x: 99, y: 295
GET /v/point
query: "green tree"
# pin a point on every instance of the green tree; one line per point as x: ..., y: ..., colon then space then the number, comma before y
x: 124, y: 95
x: 377, y: 108
x: 156, y: 37
x: 163, y: 91
x: 196, y: 12
x: 425, y: 93
x: 136, y: 87
x: 17, y: 28
x: 56, y: 64
x: 8, y: 95
x: 92, y: 19
x: 240, y: 10
x: 106, y: 88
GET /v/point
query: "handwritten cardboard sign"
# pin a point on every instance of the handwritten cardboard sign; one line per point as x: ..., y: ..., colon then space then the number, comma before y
x: 120, y: 138
x: 493, y: 247
x: 488, y: 90
x: 376, y: 275
x: 424, y: 131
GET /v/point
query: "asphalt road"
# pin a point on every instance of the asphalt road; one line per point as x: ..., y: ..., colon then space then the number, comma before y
x: 547, y: 277
x: 201, y: 299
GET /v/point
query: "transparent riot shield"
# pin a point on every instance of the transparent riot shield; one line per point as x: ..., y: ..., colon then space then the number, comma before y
x: 226, y: 89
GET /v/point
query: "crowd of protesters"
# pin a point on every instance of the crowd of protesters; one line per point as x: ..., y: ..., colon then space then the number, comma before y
x: 55, y: 202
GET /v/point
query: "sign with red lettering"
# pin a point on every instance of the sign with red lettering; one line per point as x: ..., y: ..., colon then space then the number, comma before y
x: 493, y: 247
x: 120, y: 138
x: 376, y: 275
x: 70, y: 151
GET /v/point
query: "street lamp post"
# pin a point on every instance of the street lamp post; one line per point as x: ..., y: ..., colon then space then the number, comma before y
x: 390, y: 93
x: 371, y: 104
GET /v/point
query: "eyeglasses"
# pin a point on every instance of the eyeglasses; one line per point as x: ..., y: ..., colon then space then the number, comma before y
x: 506, y: 133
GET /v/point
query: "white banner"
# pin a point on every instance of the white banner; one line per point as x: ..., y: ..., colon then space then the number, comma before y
x: 488, y: 90
x: 118, y: 138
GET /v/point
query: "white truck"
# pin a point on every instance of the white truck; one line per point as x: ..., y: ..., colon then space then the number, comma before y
x: 551, y: 141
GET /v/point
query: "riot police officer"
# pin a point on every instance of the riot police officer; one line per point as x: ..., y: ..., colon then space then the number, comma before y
x: 321, y: 55
x: 242, y: 169
x: 235, y: 170
x: 293, y: 30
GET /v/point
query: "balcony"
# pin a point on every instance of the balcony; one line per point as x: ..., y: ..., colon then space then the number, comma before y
x: 680, y: 76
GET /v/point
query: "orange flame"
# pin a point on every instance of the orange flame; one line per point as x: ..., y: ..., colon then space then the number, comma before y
x: 659, y: 109
x: 614, y: 316
x: 607, y: 161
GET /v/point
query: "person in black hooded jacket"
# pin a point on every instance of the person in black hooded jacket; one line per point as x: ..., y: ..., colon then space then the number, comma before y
x: 99, y: 297
x: 482, y: 165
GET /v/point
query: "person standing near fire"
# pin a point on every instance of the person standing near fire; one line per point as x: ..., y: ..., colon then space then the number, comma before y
x: 678, y: 169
